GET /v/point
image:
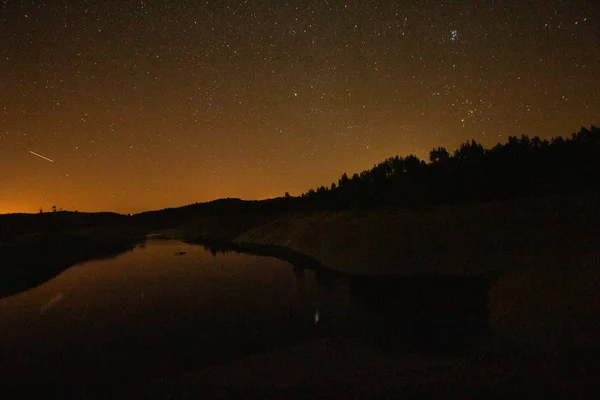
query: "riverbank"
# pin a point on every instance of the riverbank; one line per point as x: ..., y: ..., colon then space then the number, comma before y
x: 32, y: 259
x: 480, y: 238
x: 541, y: 256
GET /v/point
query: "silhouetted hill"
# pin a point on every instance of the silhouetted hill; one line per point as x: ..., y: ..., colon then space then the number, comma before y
x: 228, y: 207
x: 15, y: 225
x: 523, y: 167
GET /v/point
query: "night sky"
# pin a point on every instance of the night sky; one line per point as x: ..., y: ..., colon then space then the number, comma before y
x: 150, y: 104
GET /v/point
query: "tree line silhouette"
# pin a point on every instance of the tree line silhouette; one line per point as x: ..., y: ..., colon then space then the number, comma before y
x: 521, y: 167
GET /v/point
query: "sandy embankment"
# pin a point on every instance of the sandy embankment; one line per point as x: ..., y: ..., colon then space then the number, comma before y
x: 471, y: 239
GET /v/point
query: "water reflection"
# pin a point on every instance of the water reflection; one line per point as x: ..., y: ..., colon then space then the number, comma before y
x: 165, y: 306
x: 217, y: 247
x: 170, y: 306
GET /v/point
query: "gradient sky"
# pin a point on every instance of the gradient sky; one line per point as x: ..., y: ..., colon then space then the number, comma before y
x: 150, y: 104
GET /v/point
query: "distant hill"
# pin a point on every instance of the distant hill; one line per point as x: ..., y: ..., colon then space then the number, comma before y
x: 217, y: 208
x: 12, y: 225
x: 522, y: 167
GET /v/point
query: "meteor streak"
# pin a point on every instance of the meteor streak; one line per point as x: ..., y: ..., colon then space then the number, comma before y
x: 41, y: 156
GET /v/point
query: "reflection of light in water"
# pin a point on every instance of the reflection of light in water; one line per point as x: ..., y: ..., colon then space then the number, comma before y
x: 316, y: 316
x: 55, y: 299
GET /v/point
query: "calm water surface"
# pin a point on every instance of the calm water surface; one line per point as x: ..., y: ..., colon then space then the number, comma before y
x: 165, y: 306
x: 169, y: 307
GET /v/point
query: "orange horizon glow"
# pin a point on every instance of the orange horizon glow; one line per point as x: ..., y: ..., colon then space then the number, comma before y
x: 152, y: 105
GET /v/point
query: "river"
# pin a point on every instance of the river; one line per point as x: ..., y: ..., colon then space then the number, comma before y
x: 167, y: 307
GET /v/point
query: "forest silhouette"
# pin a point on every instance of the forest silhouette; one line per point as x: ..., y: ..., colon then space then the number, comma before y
x: 521, y: 167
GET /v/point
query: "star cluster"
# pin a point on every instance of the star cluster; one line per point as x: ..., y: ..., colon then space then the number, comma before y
x: 152, y: 104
